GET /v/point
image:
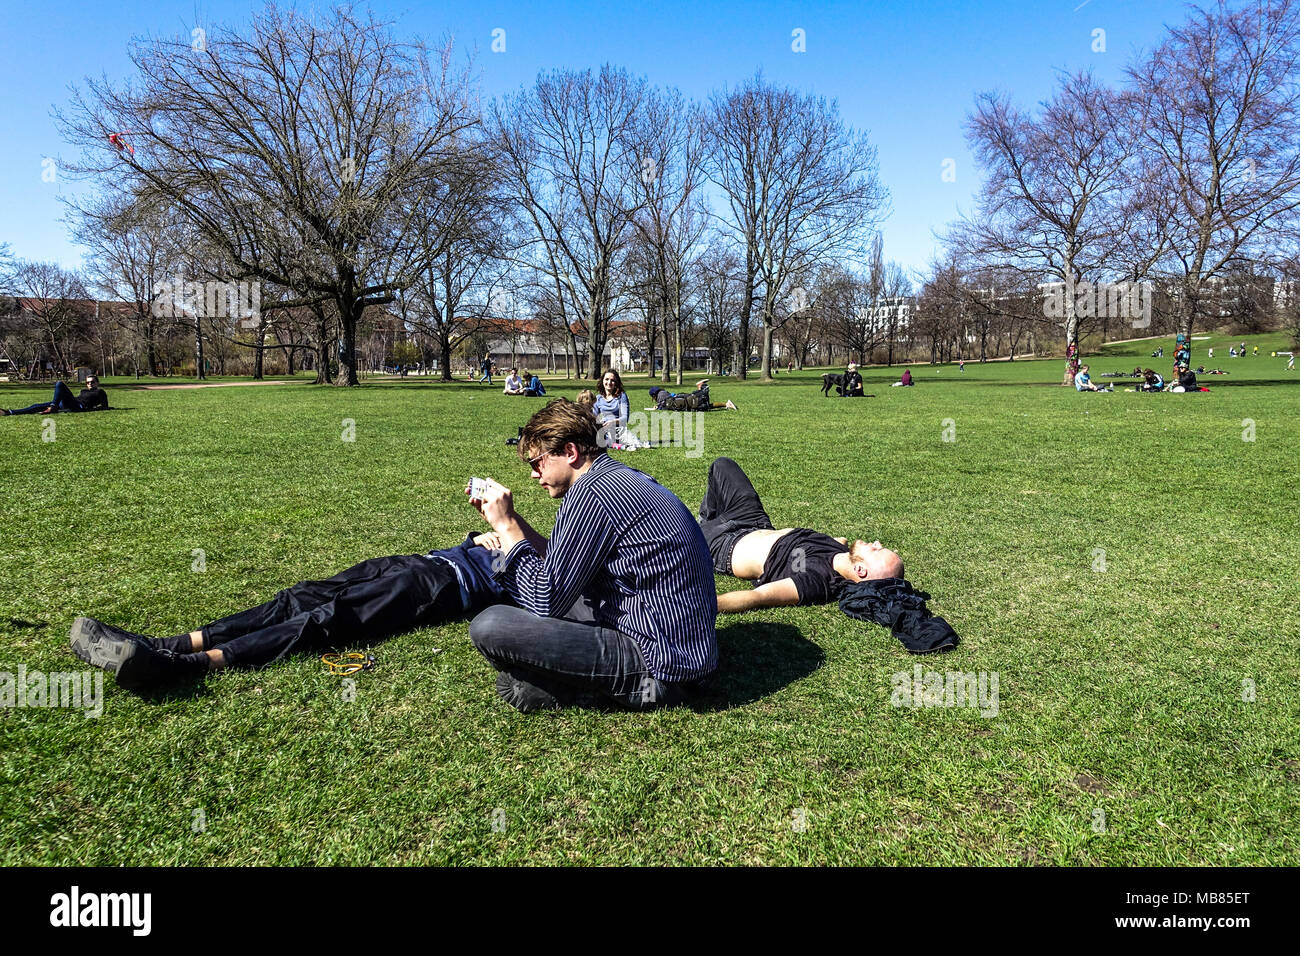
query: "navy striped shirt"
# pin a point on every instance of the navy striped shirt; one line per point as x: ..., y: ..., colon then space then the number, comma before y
x: 629, y: 544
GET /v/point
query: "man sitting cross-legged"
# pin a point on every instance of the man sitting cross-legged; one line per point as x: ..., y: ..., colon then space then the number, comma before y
x: 367, y: 602
x: 791, y: 565
x: 618, y: 603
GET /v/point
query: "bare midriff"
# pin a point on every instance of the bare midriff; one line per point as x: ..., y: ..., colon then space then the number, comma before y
x: 751, y: 551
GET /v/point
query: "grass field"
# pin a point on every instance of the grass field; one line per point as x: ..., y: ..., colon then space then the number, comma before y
x: 1162, y: 691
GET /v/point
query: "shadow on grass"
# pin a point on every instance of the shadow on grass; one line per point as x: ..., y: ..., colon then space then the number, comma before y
x: 754, y: 661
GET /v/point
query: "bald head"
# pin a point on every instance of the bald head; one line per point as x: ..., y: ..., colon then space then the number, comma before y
x: 871, y: 561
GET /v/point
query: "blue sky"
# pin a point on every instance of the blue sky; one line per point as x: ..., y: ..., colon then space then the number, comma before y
x: 907, y: 72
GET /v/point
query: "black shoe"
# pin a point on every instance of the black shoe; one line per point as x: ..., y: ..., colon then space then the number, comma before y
x: 523, y: 696
x: 100, y: 644
x: 133, y: 660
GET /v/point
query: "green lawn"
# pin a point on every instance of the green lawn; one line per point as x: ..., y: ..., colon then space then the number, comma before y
x: 1122, y: 691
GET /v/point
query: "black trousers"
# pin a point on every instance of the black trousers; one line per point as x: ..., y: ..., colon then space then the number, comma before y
x: 730, y: 510
x: 369, y: 601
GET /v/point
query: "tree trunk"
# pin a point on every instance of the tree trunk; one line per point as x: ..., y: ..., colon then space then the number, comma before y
x: 322, y: 347
x: 259, y: 351
x: 444, y: 349
x: 677, y: 335
x: 742, y: 333
x: 348, y: 345
x: 663, y: 337
x: 198, y: 348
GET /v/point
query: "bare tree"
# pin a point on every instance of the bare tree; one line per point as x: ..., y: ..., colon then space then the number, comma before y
x: 568, y: 149
x: 297, y: 149
x: 798, y: 185
x: 718, y: 288
x: 128, y: 254
x: 670, y: 144
x: 466, y: 243
x: 1220, y: 115
x: 1053, y: 183
x: 55, y: 301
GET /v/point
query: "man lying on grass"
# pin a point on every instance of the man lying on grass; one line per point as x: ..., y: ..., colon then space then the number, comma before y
x: 92, y: 399
x: 369, y: 601
x: 791, y: 565
x: 618, y: 604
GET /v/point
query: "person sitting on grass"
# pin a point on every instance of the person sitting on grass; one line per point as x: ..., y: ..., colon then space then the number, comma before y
x: 611, y: 403
x: 611, y: 411
x: 905, y: 380
x: 1186, y: 380
x: 92, y: 398
x: 1083, y: 382
x: 1153, y: 383
x: 587, y: 399
x: 852, y: 387
x: 790, y: 565
x: 514, y: 384
x: 533, y: 386
x: 618, y: 604
x: 369, y: 601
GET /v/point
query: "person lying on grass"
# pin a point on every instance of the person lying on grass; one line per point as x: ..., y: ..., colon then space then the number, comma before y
x: 618, y: 604
x: 369, y: 601
x: 791, y: 565
x: 697, y: 400
x: 92, y: 398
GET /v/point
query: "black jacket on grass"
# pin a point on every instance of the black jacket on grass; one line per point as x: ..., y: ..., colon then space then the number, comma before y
x: 895, y: 604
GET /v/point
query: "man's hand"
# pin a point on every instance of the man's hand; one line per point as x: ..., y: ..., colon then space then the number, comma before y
x: 780, y: 593
x: 488, y: 539
x: 496, y: 506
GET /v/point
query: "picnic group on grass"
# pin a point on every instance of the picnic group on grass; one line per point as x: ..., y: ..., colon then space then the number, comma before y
x: 1182, y: 378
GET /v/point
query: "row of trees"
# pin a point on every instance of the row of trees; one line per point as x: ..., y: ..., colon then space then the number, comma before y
x: 351, y: 176
x: 1186, y: 177
x: 343, y: 169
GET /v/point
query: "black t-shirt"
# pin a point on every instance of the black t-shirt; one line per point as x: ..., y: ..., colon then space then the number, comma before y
x: 1187, y: 380
x: 93, y: 398
x: 802, y: 548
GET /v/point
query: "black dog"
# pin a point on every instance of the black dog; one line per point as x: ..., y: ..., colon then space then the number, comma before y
x: 829, y: 379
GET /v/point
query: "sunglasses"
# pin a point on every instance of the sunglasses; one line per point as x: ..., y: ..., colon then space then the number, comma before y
x: 534, y: 464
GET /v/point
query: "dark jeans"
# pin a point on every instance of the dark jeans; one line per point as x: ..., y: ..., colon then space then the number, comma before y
x: 730, y: 510
x: 545, y: 663
x: 369, y: 601
x: 63, y: 401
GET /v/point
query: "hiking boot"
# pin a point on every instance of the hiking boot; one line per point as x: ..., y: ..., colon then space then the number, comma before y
x: 100, y: 644
x: 135, y: 662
